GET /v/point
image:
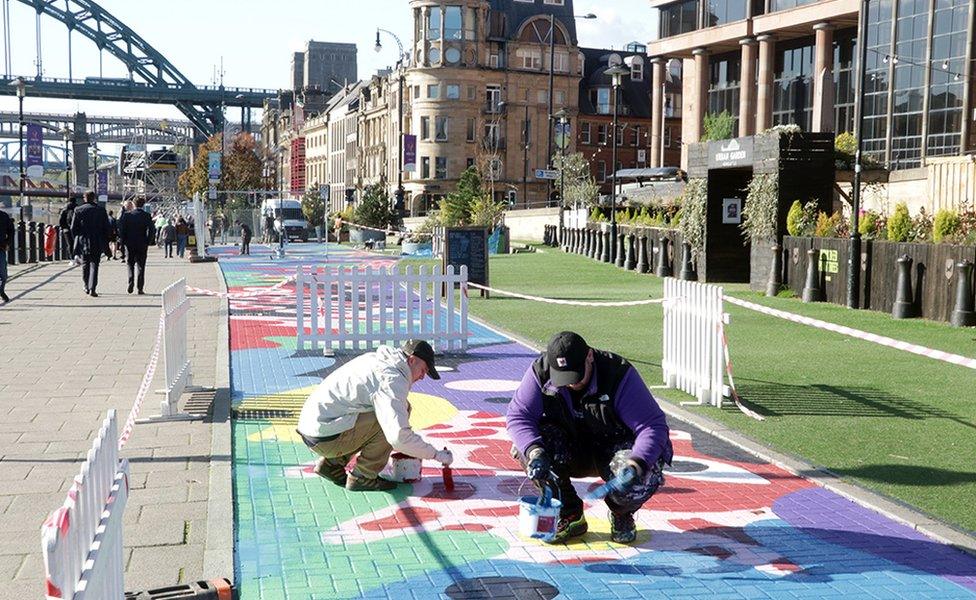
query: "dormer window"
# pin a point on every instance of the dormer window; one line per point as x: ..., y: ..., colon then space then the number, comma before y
x: 636, y: 68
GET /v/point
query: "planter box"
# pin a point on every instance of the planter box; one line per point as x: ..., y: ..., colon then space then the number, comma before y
x: 361, y: 236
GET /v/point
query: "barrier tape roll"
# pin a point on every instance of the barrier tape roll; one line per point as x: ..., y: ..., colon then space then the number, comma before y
x: 571, y: 302
x: 955, y: 359
x: 143, y: 387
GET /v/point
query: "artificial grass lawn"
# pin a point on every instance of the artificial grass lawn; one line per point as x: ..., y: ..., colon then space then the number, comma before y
x: 897, y: 423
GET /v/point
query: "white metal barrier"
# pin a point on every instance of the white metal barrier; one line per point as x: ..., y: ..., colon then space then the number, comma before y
x: 179, y: 374
x: 82, y: 540
x: 694, y: 355
x: 351, y: 309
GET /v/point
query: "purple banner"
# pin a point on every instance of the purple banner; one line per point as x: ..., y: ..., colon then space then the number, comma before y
x: 101, y: 183
x: 35, y: 146
x: 409, y: 153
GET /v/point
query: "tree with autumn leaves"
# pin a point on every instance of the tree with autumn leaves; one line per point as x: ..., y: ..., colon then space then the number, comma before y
x: 241, y: 167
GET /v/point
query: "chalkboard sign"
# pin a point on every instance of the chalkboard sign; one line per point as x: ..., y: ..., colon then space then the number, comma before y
x: 468, y: 246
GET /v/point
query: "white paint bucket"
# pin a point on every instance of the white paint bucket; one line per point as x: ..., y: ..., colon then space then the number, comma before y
x: 405, y: 469
x: 538, y: 521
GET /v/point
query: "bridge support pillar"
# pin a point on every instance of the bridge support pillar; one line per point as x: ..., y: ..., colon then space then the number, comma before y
x: 79, y: 152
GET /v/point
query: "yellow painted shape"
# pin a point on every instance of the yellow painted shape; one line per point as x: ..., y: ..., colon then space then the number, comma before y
x: 596, y: 539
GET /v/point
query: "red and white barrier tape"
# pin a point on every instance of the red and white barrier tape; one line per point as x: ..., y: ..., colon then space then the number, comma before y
x: 955, y: 359
x: 143, y: 387
x: 274, y: 288
x: 570, y: 302
x: 388, y: 231
x: 728, y: 371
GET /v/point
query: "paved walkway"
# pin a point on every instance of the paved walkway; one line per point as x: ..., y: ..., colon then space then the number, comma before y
x: 65, y: 359
x: 726, y: 525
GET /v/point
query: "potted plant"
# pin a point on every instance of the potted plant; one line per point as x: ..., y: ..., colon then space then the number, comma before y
x: 373, y: 212
x: 418, y: 242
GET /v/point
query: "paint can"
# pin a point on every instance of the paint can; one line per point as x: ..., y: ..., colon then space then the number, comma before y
x: 537, y: 519
x: 405, y: 469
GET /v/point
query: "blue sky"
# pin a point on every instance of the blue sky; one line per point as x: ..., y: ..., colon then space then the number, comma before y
x: 256, y: 39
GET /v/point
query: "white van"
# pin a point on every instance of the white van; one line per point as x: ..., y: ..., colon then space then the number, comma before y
x: 287, y: 214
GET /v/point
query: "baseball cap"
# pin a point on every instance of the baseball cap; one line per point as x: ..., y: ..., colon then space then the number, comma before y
x: 422, y: 350
x: 567, y: 353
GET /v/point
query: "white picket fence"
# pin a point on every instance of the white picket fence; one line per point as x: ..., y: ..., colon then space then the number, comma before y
x: 694, y: 354
x: 82, y: 541
x: 179, y: 374
x: 355, y: 309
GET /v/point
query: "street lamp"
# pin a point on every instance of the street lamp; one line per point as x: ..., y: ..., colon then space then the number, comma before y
x: 617, y: 73
x: 240, y: 98
x: 21, y: 86
x: 854, y: 260
x: 562, y: 117
x: 400, y: 193
x: 68, y: 136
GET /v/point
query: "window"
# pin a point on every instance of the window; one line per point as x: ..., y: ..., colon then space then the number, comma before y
x: 636, y: 139
x: 440, y: 129
x: 452, y: 23
x: 723, y: 88
x: 493, y: 99
x: 425, y: 167
x: 785, y: 4
x: 493, y: 61
x: 720, y: 12
x: 585, y: 133
x: 543, y: 96
x: 946, y: 88
x: 528, y: 58
x: 470, y: 130
x: 793, y: 83
x: 433, y: 92
x: 453, y: 92
x: 601, y: 171
x: 679, y: 18
x: 492, y: 139
x: 601, y: 134
x: 416, y: 92
x: 471, y: 92
x: 637, y: 68
x: 561, y: 62
x: 600, y: 98
x: 560, y: 97
x: 440, y: 168
x: 434, y: 23
x: 424, y: 128
x: 471, y: 24
x: 468, y: 163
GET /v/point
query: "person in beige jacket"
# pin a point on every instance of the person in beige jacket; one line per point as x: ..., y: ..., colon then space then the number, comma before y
x: 361, y: 410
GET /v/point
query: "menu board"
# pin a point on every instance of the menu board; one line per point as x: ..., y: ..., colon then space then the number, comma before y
x: 468, y: 246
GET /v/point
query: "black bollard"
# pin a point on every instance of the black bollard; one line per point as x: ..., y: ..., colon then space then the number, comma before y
x: 642, y: 266
x: 12, y: 249
x: 687, y: 266
x: 595, y: 250
x: 904, y: 307
x: 775, y: 273
x: 663, y: 267
x: 578, y: 241
x: 630, y: 262
x: 587, y: 242
x: 545, y: 235
x: 41, y: 254
x: 812, y: 291
x: 619, y: 242
x: 964, y: 314
x: 32, y: 242
x: 21, y: 242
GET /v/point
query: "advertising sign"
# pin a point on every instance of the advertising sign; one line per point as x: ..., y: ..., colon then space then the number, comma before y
x: 409, y: 153
x: 35, y: 150
x: 732, y: 211
x: 730, y: 153
x: 101, y: 186
x: 562, y: 135
x: 213, y: 166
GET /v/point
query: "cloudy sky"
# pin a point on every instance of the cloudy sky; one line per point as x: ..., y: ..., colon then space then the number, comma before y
x: 255, y: 39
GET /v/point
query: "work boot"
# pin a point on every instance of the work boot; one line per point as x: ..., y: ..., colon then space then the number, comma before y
x: 331, y: 470
x: 377, y: 484
x: 570, y: 526
x: 623, y: 529
x: 4, y: 297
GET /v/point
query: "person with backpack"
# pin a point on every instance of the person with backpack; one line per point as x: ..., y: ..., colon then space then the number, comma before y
x: 6, y: 238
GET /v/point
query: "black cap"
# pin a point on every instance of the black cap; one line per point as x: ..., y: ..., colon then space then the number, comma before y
x: 422, y: 350
x: 567, y: 353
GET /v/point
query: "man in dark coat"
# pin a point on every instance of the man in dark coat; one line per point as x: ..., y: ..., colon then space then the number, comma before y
x: 90, y: 229
x: 136, y: 232
x: 6, y: 239
x: 246, y: 234
x: 64, y: 221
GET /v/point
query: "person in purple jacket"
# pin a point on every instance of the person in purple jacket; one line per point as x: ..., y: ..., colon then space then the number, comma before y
x: 583, y: 412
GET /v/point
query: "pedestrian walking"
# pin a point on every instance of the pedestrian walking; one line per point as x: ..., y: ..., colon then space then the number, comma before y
x: 212, y: 226
x: 161, y: 222
x: 269, y: 227
x: 222, y: 225
x: 64, y: 221
x: 168, y: 237
x: 6, y: 239
x: 361, y: 410
x: 582, y: 412
x: 246, y: 234
x: 113, y: 236
x: 136, y: 232
x: 182, y: 236
x: 90, y: 228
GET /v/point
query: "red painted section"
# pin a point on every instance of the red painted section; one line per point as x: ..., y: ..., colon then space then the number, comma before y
x: 409, y: 516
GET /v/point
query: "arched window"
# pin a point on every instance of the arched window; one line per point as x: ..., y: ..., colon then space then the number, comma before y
x: 537, y: 31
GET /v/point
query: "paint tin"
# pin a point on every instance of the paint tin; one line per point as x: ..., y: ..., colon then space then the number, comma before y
x: 536, y: 520
x: 405, y: 469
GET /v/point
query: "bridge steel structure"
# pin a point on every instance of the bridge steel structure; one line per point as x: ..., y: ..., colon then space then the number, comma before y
x: 152, y: 78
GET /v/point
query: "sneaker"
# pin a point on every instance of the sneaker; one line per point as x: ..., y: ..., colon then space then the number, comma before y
x: 623, y: 529
x: 377, y: 484
x: 570, y: 527
x: 333, y: 471
x: 4, y: 297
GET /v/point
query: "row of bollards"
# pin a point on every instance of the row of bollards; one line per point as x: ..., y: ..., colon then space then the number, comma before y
x: 631, y: 252
x: 905, y: 306
x: 36, y: 242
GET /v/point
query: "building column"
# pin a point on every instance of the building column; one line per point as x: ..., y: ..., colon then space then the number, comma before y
x: 764, y: 88
x: 700, y: 100
x: 747, y: 92
x: 657, y: 109
x: 823, y: 81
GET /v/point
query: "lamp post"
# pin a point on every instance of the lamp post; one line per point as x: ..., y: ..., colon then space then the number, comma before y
x: 617, y: 73
x: 400, y: 192
x: 68, y: 135
x: 525, y: 157
x: 21, y: 92
x: 562, y: 117
x: 854, y: 260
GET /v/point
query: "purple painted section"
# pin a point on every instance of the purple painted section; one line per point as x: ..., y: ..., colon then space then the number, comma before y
x: 834, y: 519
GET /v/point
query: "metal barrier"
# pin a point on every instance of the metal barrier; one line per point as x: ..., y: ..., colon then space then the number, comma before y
x: 694, y: 352
x: 82, y: 540
x: 351, y: 309
x: 179, y: 373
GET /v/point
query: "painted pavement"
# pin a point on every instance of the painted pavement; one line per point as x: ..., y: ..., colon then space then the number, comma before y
x: 725, y: 525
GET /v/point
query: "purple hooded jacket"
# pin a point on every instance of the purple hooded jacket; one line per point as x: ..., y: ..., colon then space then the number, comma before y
x: 632, y: 401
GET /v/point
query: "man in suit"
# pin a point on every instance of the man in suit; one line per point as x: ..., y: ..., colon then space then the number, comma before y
x: 64, y: 221
x: 136, y: 232
x: 6, y: 239
x: 90, y: 228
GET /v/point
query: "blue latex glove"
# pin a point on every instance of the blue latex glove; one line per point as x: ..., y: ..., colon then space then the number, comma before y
x: 625, y: 480
x: 539, y: 468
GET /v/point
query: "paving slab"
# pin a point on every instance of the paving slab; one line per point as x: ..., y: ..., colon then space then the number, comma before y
x: 727, y: 524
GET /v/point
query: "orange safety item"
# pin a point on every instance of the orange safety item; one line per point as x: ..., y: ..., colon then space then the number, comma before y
x: 50, y: 237
x: 224, y: 589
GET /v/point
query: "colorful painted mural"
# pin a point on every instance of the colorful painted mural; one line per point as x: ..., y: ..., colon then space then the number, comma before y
x: 725, y: 525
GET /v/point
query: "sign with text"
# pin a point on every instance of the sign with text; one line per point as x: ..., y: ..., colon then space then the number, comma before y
x: 546, y: 174
x: 468, y: 246
x: 101, y: 186
x: 725, y: 154
x: 214, y: 166
x: 35, y: 150
x: 409, y: 153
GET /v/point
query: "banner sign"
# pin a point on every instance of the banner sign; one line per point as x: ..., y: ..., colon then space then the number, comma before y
x: 410, y: 153
x: 562, y: 135
x: 213, y: 166
x: 101, y: 186
x: 35, y: 150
